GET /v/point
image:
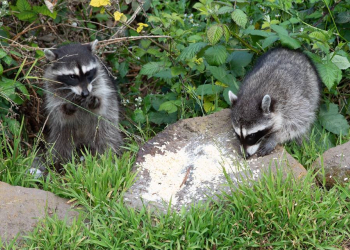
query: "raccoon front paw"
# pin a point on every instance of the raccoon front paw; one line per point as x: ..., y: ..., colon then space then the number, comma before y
x: 265, y: 149
x: 94, y: 102
x: 69, y: 109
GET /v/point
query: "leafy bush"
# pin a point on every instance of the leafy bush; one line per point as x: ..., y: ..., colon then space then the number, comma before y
x: 179, y: 59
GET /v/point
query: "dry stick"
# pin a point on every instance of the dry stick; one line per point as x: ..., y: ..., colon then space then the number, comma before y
x: 25, y: 31
x: 186, y: 176
x: 20, y: 65
x: 130, y: 20
x: 131, y: 38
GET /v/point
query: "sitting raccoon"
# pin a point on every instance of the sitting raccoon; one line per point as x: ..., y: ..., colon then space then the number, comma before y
x: 81, y: 102
x: 277, y: 101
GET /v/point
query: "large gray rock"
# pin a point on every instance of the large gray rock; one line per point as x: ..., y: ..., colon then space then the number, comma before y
x: 184, y: 164
x: 336, y: 163
x: 21, y: 209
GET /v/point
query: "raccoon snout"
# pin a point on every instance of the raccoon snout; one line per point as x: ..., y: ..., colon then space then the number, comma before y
x: 85, y: 93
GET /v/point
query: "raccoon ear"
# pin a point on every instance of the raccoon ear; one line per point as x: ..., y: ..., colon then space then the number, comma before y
x: 93, y: 46
x: 265, y: 104
x: 232, y: 97
x: 50, y: 55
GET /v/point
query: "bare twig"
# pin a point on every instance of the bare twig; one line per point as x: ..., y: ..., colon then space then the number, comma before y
x: 127, y: 23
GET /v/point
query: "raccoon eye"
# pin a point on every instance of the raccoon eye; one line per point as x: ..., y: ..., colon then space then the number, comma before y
x: 73, y: 76
x: 237, y: 135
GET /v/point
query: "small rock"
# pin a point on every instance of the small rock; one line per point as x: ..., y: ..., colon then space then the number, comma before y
x: 184, y: 164
x: 21, y: 209
x: 336, y: 163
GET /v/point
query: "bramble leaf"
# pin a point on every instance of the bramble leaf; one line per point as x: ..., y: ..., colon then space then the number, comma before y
x: 191, y: 51
x: 215, y: 33
x: 239, y: 17
x: 333, y: 121
x: 216, y: 55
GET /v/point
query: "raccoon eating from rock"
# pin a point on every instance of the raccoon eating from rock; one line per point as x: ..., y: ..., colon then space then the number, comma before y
x: 277, y: 101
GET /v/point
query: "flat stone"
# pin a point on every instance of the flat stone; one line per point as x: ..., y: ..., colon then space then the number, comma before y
x: 21, y: 209
x: 184, y: 164
x: 336, y: 163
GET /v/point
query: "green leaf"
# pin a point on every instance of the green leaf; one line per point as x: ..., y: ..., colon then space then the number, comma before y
x: 1, y: 69
x: 341, y: 61
x: 123, y: 69
x: 343, y: 17
x: 2, y: 53
x: 23, y: 5
x: 226, y: 32
x: 7, y: 86
x: 289, y: 42
x: 191, y: 51
x: 240, y: 58
x: 168, y: 106
x: 152, y: 68
x: 279, y: 29
x: 8, y: 60
x: 329, y: 73
x: 208, y: 89
x: 257, y: 33
x: 45, y: 11
x: 268, y: 41
x: 26, y: 15
x: 215, y: 33
x: 22, y: 88
x: 175, y: 71
x: 145, y: 43
x: 138, y: 116
x: 225, y: 9
x: 221, y: 75
x: 164, y: 74
x: 239, y: 17
x: 162, y: 117
x: 332, y: 120
x: 216, y: 55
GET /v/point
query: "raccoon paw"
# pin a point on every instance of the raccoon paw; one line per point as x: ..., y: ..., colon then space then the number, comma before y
x: 94, y: 102
x: 265, y: 149
x: 69, y: 109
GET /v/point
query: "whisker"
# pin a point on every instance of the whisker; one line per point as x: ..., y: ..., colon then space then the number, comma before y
x: 94, y: 79
x: 62, y: 88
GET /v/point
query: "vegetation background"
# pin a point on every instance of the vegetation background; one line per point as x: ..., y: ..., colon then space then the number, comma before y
x: 174, y: 60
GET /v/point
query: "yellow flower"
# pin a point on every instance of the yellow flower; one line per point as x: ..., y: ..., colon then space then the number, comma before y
x: 118, y: 16
x: 140, y: 28
x: 198, y: 61
x: 99, y: 3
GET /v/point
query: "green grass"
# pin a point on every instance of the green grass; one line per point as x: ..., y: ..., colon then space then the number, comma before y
x: 270, y: 214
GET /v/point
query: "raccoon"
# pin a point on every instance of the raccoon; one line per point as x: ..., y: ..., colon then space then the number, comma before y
x: 277, y: 101
x: 81, y: 102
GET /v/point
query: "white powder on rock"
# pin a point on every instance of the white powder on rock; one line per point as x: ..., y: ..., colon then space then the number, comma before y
x: 168, y: 171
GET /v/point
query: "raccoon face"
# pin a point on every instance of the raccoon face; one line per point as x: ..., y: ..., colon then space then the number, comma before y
x: 75, y: 67
x: 251, y: 123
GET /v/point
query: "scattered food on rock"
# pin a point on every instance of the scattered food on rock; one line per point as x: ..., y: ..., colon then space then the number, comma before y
x: 21, y: 209
x: 185, y: 164
x: 336, y: 163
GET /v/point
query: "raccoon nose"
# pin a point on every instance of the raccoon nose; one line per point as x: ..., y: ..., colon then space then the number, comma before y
x: 85, y: 93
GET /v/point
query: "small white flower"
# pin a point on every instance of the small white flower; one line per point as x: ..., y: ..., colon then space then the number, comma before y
x: 301, y: 29
x: 74, y: 24
x: 277, y: 15
x: 345, y: 179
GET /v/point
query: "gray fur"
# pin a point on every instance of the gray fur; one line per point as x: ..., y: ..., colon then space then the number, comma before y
x: 281, y: 94
x: 72, y: 127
